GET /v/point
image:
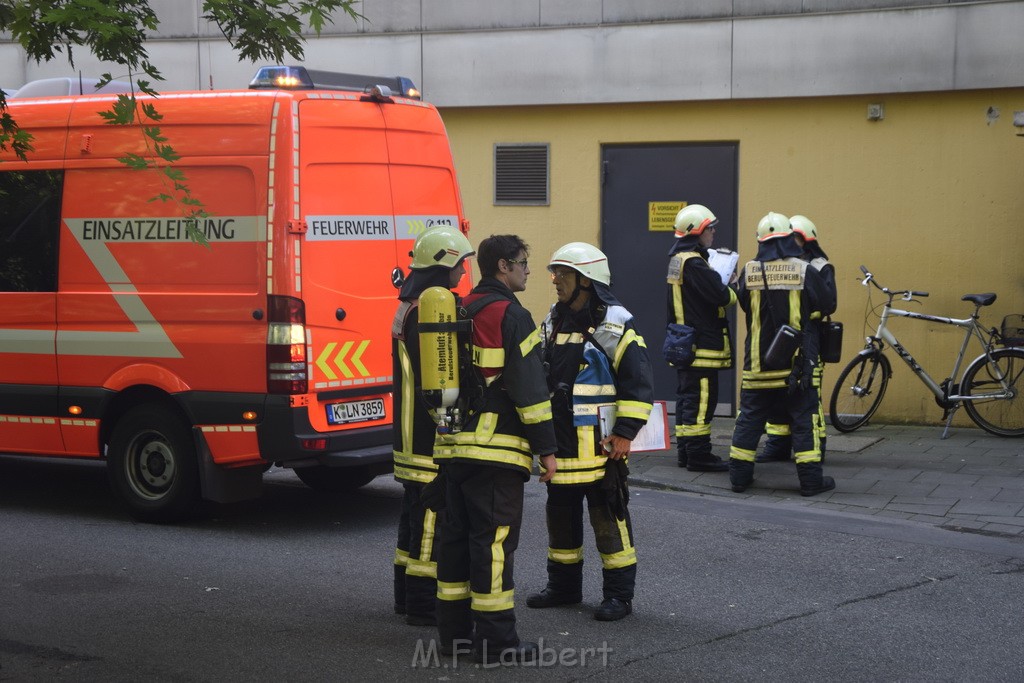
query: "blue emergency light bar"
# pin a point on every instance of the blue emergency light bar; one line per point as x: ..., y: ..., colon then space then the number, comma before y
x: 301, y: 78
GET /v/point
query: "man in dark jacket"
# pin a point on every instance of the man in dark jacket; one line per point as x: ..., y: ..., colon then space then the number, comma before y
x: 778, y: 289
x: 779, y: 445
x: 488, y: 462
x: 594, y: 357
x: 438, y: 260
x: 697, y: 297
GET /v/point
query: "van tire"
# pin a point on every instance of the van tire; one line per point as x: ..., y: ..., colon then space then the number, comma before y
x: 152, y: 465
x: 334, y: 479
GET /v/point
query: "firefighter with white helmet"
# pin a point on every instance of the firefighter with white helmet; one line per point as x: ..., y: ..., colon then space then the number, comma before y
x: 698, y: 298
x: 593, y: 356
x: 782, y: 297
x: 438, y: 260
x: 779, y: 445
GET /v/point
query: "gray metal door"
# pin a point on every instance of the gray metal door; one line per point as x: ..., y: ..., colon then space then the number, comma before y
x: 639, y: 185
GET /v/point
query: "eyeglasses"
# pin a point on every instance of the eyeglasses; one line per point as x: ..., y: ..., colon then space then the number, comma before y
x: 561, y: 274
x: 512, y: 262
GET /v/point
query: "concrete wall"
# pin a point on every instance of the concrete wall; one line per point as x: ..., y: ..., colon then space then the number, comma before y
x: 928, y: 198
x: 523, y: 52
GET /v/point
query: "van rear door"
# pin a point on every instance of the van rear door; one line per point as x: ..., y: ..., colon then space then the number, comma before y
x: 347, y: 257
x: 373, y: 176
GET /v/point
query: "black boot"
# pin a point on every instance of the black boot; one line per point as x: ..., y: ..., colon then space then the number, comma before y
x: 680, y: 451
x: 550, y: 598
x: 811, y: 480
x: 399, y: 589
x: 699, y: 457
x: 420, y: 600
x: 741, y: 474
x: 565, y: 586
x: 613, y: 609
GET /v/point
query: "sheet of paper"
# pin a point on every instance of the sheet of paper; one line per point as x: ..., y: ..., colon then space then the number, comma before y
x: 724, y: 262
x: 653, y: 436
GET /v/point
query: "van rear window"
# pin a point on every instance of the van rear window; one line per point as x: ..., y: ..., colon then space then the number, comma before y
x: 29, y: 223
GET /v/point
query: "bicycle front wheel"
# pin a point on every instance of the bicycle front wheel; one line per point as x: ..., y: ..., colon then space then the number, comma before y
x: 858, y: 391
x: 1002, y: 415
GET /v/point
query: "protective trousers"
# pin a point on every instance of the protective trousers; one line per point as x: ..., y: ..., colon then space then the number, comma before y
x: 696, y: 399
x: 479, y: 536
x: 757, y: 406
x: 416, y: 555
x: 779, y: 443
x: 565, y: 542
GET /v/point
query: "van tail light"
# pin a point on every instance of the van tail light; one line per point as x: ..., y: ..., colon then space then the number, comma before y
x: 286, y: 345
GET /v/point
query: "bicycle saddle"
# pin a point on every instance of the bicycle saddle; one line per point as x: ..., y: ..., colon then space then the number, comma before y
x: 979, y: 299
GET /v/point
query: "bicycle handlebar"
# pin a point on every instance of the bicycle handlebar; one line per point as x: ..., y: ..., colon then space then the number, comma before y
x: 905, y: 294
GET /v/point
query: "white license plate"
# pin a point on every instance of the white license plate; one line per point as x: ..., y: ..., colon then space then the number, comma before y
x: 355, y: 411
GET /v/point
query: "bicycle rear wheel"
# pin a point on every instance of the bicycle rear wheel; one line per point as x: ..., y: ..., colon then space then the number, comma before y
x: 999, y: 416
x: 858, y: 391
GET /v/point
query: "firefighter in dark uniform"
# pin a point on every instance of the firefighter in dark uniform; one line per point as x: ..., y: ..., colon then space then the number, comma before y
x: 698, y: 298
x: 594, y: 356
x: 778, y: 288
x: 487, y: 463
x: 438, y: 259
x: 778, y: 446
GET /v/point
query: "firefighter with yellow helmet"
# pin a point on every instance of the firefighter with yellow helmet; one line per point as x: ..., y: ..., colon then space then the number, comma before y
x: 698, y: 298
x: 779, y: 445
x: 783, y: 298
x: 594, y: 356
x: 438, y: 260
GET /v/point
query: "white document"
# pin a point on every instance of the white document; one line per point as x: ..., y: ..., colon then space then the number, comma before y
x: 724, y: 262
x: 652, y: 437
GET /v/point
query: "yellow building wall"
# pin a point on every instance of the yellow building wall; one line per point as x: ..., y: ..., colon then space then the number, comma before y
x: 929, y: 198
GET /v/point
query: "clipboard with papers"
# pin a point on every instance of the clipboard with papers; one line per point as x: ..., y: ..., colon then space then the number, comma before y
x: 652, y: 437
x: 723, y: 262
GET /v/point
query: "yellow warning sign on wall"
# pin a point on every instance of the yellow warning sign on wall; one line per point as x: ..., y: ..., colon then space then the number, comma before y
x: 661, y: 216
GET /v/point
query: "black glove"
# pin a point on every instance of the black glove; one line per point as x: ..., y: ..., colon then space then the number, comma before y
x: 802, y: 376
x: 434, y: 495
x: 616, y: 488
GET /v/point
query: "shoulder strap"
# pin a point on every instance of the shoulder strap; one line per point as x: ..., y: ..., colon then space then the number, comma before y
x: 767, y: 295
x: 483, y: 302
x: 402, y: 315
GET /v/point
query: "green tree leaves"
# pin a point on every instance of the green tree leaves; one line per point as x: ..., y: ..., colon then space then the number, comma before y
x: 115, y: 31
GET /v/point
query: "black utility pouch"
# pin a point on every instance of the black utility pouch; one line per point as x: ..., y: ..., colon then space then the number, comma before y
x: 784, y: 346
x: 831, y: 350
x: 679, y: 347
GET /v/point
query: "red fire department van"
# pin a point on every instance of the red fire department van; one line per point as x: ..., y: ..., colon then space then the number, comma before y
x: 191, y: 369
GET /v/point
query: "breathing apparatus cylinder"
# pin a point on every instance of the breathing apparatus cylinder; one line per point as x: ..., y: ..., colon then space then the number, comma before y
x: 439, y: 361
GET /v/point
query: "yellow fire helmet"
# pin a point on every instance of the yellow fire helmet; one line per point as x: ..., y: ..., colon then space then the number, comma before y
x: 773, y: 225
x: 803, y: 226
x: 693, y: 220
x: 442, y: 245
x: 585, y: 259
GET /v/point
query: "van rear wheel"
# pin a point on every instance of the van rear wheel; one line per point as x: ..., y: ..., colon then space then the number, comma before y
x: 334, y: 479
x: 152, y: 465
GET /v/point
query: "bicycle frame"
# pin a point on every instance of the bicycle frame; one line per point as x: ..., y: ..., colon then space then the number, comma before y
x: 947, y: 394
x: 971, y: 329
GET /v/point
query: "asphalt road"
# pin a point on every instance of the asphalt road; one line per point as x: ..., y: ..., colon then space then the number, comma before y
x: 297, y: 586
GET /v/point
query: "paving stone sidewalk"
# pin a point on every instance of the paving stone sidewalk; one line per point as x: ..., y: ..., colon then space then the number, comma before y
x: 972, y: 481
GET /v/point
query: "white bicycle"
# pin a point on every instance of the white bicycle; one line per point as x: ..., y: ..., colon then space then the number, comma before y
x: 989, y: 388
